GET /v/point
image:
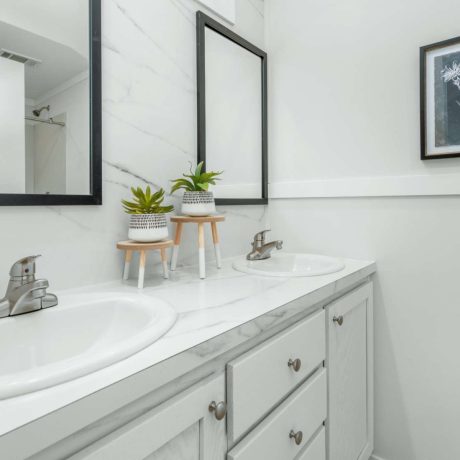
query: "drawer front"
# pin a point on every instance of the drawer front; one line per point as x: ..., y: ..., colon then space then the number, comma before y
x: 261, y: 378
x: 316, y: 450
x: 305, y: 410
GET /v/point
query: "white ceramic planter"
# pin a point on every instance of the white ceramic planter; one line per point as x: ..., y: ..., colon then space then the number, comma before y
x: 147, y: 228
x: 198, y: 204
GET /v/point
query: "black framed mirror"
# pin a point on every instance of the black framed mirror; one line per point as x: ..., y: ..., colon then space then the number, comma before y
x: 50, y: 87
x: 232, y: 112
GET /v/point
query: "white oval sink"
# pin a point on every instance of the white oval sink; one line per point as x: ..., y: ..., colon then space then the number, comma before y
x: 287, y: 265
x: 84, y: 333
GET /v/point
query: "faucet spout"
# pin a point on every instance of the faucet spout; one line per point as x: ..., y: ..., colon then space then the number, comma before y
x: 24, y: 293
x: 266, y: 249
x: 262, y: 250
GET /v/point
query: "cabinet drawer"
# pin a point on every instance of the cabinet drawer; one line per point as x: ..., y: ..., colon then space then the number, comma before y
x: 316, y: 450
x: 259, y: 379
x: 305, y: 410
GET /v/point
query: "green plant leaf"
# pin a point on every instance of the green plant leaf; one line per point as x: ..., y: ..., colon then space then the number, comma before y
x: 196, y: 180
x: 146, y: 202
x: 199, y: 166
x: 182, y: 184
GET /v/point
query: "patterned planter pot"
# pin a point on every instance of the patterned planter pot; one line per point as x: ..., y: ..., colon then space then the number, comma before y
x: 198, y: 204
x: 147, y: 228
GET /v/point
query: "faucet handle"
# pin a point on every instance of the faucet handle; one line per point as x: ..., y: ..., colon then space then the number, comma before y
x: 260, y: 236
x: 24, y: 267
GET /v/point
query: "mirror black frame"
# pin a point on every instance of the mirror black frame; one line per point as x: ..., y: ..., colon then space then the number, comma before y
x: 95, y: 197
x: 203, y: 21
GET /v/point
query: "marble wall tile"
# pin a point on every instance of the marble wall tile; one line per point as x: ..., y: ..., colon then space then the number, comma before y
x: 149, y: 137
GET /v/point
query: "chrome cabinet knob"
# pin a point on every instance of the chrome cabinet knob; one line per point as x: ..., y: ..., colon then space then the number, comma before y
x: 219, y: 409
x: 338, y: 320
x: 296, y: 436
x: 295, y: 364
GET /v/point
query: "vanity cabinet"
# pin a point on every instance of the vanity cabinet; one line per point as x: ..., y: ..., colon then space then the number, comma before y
x: 302, y: 390
x: 350, y: 380
x: 182, y: 428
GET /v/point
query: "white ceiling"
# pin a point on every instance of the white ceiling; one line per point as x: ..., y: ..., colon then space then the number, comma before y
x: 59, y: 63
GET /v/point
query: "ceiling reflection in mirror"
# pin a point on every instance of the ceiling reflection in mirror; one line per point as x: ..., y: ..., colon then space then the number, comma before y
x: 45, y: 97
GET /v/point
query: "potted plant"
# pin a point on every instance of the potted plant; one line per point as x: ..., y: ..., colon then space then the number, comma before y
x: 148, y: 220
x: 197, y: 199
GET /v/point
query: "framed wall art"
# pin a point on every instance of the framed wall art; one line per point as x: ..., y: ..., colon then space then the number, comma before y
x: 440, y: 99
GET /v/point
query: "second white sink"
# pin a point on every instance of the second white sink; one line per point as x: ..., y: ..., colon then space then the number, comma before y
x: 84, y: 333
x: 289, y: 265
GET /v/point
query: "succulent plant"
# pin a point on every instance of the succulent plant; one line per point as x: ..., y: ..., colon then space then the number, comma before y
x: 196, y: 181
x: 146, y: 202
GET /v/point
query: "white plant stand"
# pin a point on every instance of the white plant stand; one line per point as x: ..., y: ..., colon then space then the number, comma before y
x: 130, y: 246
x: 200, y: 221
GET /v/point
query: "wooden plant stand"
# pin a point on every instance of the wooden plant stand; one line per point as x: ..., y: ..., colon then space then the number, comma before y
x: 213, y: 220
x: 130, y: 246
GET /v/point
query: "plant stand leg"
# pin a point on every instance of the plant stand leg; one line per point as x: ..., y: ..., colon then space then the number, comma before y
x: 215, y: 240
x: 175, y: 252
x: 164, y: 261
x: 140, y: 282
x: 128, y: 258
x: 201, y: 250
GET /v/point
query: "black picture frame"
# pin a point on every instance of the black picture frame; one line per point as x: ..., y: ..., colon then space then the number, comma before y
x: 424, y: 50
x: 203, y: 21
x: 95, y: 196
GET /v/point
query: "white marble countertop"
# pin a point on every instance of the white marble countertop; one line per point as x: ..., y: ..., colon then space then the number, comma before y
x: 206, y: 309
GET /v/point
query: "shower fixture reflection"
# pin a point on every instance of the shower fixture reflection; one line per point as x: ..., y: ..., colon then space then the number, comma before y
x: 37, y: 112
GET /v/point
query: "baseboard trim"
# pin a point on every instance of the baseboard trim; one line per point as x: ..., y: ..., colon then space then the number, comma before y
x: 388, y: 186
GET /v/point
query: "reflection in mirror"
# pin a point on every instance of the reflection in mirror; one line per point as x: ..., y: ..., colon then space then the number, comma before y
x: 233, y: 117
x: 45, y: 94
x: 232, y: 131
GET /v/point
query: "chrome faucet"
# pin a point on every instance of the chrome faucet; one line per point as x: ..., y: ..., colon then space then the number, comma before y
x: 24, y: 293
x: 262, y: 250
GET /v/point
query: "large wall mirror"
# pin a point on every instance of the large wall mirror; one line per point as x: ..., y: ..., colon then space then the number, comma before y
x: 50, y: 102
x: 232, y: 112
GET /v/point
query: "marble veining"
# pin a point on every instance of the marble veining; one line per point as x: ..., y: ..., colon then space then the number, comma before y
x: 144, y: 32
x: 125, y: 170
x: 149, y: 131
x: 214, y: 316
x: 258, y: 6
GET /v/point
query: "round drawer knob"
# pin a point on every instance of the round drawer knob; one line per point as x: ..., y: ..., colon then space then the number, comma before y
x: 296, y: 436
x: 219, y: 409
x: 338, y: 320
x: 295, y: 364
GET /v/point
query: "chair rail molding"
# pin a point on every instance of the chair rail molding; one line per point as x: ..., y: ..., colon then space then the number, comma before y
x: 383, y: 186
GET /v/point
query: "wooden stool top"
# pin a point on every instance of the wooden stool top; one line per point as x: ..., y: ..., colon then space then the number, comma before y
x: 197, y: 219
x: 137, y: 246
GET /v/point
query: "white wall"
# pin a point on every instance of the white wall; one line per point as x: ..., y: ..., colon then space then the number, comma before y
x: 415, y: 243
x: 50, y: 158
x: 71, y: 101
x: 63, y: 22
x: 344, y: 80
x: 343, y: 103
x: 12, y: 132
x: 29, y: 162
x: 149, y: 135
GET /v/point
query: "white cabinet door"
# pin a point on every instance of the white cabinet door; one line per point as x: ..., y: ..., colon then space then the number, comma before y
x: 350, y: 371
x: 181, y: 428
